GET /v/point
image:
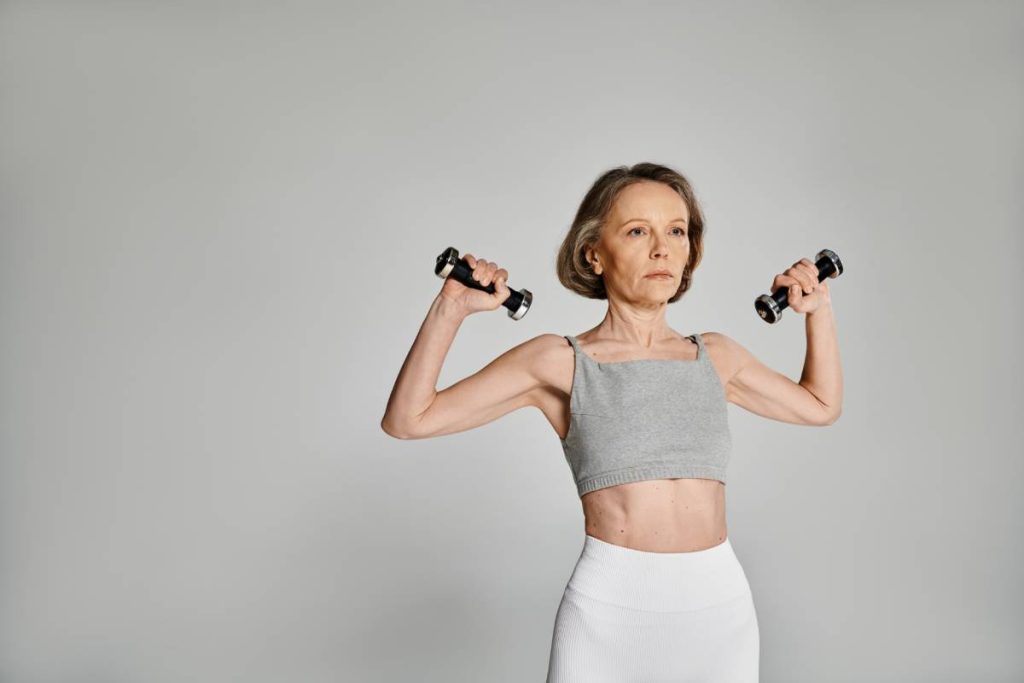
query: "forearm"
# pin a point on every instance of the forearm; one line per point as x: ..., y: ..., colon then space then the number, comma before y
x: 823, y: 374
x: 416, y: 385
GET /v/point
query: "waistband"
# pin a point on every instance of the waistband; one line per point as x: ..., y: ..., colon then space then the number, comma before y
x: 658, y: 582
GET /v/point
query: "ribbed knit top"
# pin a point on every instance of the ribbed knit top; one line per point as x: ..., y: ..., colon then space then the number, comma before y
x: 650, y: 418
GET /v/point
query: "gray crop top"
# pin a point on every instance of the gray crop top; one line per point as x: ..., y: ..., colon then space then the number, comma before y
x: 649, y: 418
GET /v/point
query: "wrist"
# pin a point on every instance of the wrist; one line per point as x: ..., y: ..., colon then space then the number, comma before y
x: 825, y: 309
x: 448, y: 309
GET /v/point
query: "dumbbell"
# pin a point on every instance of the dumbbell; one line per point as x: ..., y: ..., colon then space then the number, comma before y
x: 769, y: 307
x: 450, y: 265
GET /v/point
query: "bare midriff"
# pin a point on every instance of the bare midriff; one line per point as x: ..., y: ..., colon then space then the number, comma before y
x: 659, y: 515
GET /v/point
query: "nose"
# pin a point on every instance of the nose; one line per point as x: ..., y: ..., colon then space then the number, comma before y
x: 660, y: 247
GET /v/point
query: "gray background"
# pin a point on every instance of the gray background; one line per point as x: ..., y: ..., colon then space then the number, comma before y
x: 219, y: 227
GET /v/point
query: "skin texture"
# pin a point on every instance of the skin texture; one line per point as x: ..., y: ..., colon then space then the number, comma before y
x: 646, y: 230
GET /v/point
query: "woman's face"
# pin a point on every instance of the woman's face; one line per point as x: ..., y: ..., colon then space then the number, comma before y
x: 647, y: 230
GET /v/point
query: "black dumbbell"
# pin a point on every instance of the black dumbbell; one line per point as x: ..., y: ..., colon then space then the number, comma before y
x: 770, y: 307
x: 450, y: 265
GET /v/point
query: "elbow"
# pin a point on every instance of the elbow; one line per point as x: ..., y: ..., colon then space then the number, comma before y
x: 822, y: 416
x: 831, y: 417
x: 398, y: 431
x: 391, y: 429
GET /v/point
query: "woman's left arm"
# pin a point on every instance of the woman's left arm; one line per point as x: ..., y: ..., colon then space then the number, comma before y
x: 817, y: 398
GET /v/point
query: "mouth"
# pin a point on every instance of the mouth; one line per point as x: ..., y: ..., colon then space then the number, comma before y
x: 665, y: 276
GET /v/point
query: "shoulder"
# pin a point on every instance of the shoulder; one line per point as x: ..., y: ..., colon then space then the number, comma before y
x: 531, y: 356
x: 727, y: 354
x: 548, y: 344
x: 551, y: 360
x: 721, y: 341
x: 539, y: 348
x: 718, y: 340
x: 538, y: 355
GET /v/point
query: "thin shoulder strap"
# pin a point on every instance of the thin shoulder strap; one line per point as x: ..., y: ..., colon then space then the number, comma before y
x: 580, y: 356
x: 577, y: 351
x: 579, y: 374
x: 701, y: 353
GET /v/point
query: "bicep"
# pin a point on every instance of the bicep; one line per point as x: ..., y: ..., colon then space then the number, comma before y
x: 507, y: 383
x: 763, y: 391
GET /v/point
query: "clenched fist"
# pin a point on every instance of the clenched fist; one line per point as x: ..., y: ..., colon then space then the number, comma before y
x: 471, y: 300
x: 805, y: 294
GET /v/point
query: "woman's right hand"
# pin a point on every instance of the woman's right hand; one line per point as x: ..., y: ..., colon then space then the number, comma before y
x: 471, y: 300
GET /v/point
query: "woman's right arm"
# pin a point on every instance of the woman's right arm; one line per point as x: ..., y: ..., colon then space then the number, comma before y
x: 416, y: 410
x: 415, y: 387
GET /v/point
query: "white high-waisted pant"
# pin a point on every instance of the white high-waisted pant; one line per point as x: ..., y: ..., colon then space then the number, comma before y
x: 633, y: 616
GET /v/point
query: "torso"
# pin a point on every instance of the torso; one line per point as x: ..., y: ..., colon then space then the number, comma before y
x: 660, y: 515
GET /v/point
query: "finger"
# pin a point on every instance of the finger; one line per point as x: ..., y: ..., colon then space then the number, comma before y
x: 791, y: 280
x: 783, y: 280
x: 812, y: 271
x: 805, y: 280
x: 480, y: 269
x: 501, y: 290
x: 795, y: 295
x: 471, y: 260
x: 492, y: 268
x: 809, y: 282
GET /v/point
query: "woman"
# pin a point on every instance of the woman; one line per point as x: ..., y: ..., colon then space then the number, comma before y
x: 657, y: 592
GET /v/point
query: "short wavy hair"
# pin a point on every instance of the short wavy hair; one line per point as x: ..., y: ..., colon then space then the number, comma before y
x: 576, y: 273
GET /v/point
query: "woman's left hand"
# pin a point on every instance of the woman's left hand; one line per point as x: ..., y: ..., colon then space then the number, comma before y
x: 806, y: 294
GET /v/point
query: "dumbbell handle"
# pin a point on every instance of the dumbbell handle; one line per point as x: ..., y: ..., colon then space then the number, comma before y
x: 450, y: 265
x: 770, y: 307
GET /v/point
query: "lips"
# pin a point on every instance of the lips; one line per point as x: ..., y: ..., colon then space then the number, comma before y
x: 659, y: 272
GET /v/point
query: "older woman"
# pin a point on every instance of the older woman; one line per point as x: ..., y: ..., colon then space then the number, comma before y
x: 640, y: 410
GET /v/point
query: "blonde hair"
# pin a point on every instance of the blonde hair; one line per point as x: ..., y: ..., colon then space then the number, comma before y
x: 576, y: 273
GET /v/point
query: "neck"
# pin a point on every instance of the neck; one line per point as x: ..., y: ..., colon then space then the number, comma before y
x: 635, y: 326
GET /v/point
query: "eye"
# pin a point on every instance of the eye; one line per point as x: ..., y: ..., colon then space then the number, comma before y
x: 682, y: 231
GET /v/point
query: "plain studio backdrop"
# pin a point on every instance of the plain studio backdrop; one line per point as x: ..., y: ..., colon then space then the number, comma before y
x: 220, y: 222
